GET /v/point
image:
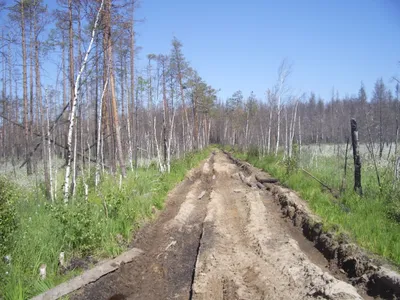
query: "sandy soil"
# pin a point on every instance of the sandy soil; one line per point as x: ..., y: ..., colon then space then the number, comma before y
x: 218, y: 238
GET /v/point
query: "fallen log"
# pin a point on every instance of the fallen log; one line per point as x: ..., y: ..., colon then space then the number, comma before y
x: 242, y: 177
x: 260, y: 186
x: 331, y: 190
x: 245, y: 180
x: 266, y: 180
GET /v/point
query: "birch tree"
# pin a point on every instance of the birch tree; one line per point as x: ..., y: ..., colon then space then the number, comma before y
x: 77, y: 88
x: 280, y: 90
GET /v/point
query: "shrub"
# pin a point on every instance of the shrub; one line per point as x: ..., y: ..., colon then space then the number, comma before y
x: 81, y: 225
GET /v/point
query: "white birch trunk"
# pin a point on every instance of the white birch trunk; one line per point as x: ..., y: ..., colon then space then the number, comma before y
x: 99, y: 137
x: 293, y: 129
x: 299, y: 139
x: 161, y: 166
x: 49, y: 145
x: 74, y: 161
x: 169, y: 144
x: 247, y: 131
x: 73, y: 109
x: 269, y: 132
x: 286, y: 133
x: 279, y: 125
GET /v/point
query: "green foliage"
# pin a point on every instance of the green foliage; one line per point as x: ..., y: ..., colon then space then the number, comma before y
x: 235, y: 102
x: 101, y: 226
x: 253, y: 152
x: 80, y: 225
x: 292, y: 163
x: 8, y: 219
x: 393, y: 201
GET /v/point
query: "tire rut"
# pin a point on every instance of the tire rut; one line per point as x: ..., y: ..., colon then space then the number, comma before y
x: 170, y: 245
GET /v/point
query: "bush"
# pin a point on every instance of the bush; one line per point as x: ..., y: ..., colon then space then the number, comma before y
x: 81, y: 225
x: 292, y: 163
x: 253, y: 152
x: 8, y: 218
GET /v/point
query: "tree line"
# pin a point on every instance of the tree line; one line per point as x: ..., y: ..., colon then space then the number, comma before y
x: 101, y: 113
x: 277, y: 122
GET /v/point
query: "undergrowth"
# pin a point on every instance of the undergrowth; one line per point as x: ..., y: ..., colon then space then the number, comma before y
x: 36, y: 231
x: 371, y: 220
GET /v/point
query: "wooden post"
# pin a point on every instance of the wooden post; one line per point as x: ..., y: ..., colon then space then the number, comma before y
x: 344, y: 185
x: 356, y: 156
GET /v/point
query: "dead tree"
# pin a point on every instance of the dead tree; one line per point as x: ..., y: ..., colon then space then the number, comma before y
x: 356, y: 157
x: 343, y: 186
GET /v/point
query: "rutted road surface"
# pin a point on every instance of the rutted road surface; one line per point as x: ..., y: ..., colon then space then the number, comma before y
x: 218, y: 238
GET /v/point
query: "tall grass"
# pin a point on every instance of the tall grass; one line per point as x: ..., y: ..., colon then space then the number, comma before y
x: 371, y: 220
x: 100, y: 227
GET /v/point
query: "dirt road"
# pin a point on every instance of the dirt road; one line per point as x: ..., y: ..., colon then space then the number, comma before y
x: 218, y: 238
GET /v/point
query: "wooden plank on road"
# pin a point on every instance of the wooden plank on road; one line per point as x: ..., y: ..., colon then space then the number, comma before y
x: 89, y: 276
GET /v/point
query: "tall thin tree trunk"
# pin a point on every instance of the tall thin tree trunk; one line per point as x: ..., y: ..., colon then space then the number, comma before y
x: 299, y: 139
x: 74, y: 160
x: 132, y: 92
x: 246, y: 135
x: 97, y: 107
x: 185, y: 114
x: 278, y: 122
x: 73, y: 109
x: 64, y: 83
x: 40, y: 103
x: 286, y: 133
x: 49, y: 145
x: 99, y: 135
x: 31, y: 65
x: 25, y: 92
x: 165, y: 109
x: 160, y: 163
x: 269, y: 131
x: 169, y: 143
x: 292, y: 129
x: 114, y: 109
x: 71, y: 54
x: 135, y: 147
x: 356, y: 157
x: 195, y: 142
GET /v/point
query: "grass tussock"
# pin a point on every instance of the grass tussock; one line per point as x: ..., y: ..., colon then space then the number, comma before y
x: 85, y: 231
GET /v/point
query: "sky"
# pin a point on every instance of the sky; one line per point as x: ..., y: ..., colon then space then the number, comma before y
x: 239, y: 45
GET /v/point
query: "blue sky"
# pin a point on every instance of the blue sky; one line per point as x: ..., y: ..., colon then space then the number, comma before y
x: 240, y: 44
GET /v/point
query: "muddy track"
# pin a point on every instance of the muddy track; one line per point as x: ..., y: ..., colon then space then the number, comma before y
x: 218, y: 238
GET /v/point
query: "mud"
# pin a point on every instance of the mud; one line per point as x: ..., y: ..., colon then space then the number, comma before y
x: 222, y: 237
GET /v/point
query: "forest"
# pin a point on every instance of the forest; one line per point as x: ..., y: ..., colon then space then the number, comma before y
x: 78, y: 146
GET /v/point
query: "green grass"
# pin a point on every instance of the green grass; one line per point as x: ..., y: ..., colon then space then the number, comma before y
x: 101, y: 227
x: 368, y: 219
